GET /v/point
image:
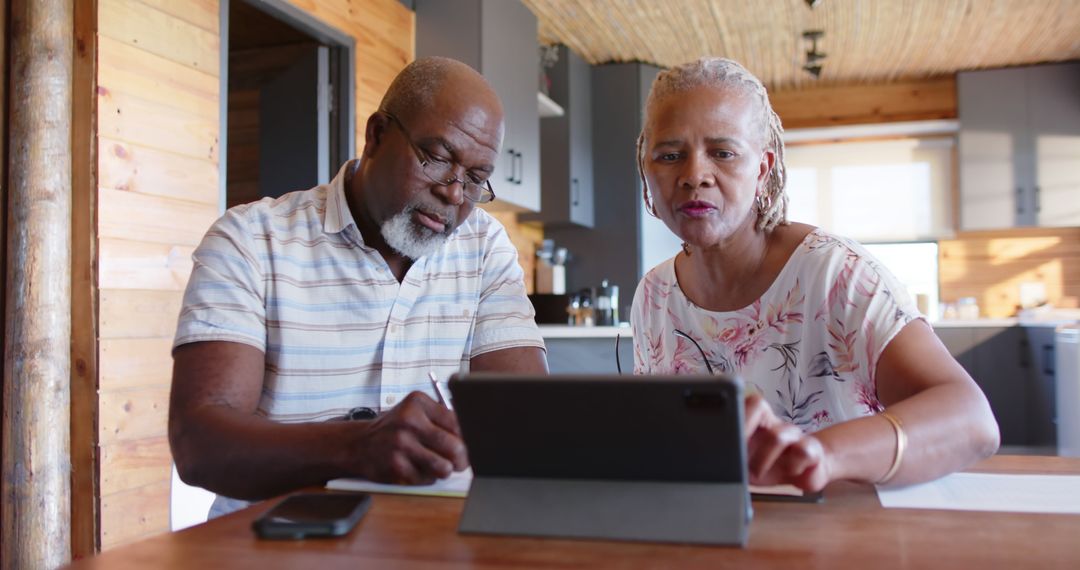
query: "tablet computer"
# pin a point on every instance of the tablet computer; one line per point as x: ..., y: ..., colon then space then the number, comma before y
x: 622, y: 457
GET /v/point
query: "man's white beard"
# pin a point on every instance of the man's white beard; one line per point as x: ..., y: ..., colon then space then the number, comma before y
x: 408, y: 238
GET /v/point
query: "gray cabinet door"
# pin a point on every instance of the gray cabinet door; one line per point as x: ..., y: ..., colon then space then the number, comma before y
x: 1001, y: 371
x: 1014, y: 366
x: 1020, y: 146
x: 1054, y: 114
x: 995, y: 149
x: 589, y: 355
x: 579, y: 115
x: 960, y: 342
x: 566, y: 146
x: 509, y: 60
x: 1042, y: 401
x: 498, y: 39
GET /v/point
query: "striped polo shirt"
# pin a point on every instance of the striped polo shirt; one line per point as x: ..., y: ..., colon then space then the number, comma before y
x: 292, y: 277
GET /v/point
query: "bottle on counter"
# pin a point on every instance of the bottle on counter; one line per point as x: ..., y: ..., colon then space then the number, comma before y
x: 607, y: 304
x: 581, y: 311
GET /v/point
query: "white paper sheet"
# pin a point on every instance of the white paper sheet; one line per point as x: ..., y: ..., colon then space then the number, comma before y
x: 456, y: 485
x: 990, y: 492
x: 781, y: 490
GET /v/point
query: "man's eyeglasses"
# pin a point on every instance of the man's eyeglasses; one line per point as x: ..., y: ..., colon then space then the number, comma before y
x: 618, y: 365
x: 441, y: 171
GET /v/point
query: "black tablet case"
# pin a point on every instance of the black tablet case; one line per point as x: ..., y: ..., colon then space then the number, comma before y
x: 615, y: 457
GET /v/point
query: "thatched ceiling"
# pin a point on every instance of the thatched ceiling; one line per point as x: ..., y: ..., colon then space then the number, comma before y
x: 866, y: 41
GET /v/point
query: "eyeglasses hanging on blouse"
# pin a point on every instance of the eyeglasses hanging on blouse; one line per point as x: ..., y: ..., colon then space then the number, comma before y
x: 708, y: 366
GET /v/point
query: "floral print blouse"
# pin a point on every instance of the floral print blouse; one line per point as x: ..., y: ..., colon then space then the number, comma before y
x: 810, y: 345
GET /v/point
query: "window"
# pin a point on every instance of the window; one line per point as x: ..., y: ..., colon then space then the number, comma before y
x: 894, y: 190
x: 916, y: 266
x: 880, y: 193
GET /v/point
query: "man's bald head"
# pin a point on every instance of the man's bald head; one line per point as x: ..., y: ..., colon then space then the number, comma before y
x: 437, y: 114
x: 427, y: 79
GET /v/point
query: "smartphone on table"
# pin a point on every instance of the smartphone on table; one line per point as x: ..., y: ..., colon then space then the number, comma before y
x: 312, y: 515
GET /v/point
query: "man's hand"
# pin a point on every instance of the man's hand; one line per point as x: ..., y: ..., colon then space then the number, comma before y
x: 221, y: 444
x: 779, y: 452
x: 415, y: 443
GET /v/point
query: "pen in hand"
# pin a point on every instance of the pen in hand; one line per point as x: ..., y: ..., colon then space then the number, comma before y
x: 438, y: 391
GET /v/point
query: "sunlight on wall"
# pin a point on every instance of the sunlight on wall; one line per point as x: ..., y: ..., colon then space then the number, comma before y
x: 1008, y: 250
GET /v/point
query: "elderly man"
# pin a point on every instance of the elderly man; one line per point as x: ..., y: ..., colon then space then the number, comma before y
x: 341, y: 300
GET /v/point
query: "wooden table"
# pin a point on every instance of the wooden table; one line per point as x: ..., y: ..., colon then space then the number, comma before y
x: 849, y: 530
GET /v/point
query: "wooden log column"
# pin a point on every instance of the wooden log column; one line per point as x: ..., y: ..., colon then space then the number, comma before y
x: 36, y: 403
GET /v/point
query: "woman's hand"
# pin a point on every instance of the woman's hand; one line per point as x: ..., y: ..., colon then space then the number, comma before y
x: 780, y: 453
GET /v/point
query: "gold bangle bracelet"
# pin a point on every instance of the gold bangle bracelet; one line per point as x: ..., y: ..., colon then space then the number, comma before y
x: 901, y: 446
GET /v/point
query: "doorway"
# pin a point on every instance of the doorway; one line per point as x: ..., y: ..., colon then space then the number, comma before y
x: 290, y: 119
x: 288, y: 123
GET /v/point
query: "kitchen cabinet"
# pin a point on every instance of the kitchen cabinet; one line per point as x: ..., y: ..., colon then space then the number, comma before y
x: 498, y: 39
x: 1014, y: 366
x: 589, y: 355
x: 1001, y: 370
x: 1019, y: 147
x: 1042, y: 397
x: 613, y: 248
x: 566, y: 182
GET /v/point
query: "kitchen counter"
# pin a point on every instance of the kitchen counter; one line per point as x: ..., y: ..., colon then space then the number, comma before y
x: 566, y: 331
x: 1006, y: 322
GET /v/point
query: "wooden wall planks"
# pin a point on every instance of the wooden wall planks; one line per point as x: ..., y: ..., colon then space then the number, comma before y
x: 156, y: 124
x: 135, y: 313
x: 131, y: 70
x: 862, y: 104
x: 201, y: 13
x: 157, y: 192
x: 135, y: 513
x: 990, y: 265
x: 158, y: 133
x: 133, y: 413
x: 135, y: 362
x: 155, y: 219
x: 160, y: 32
x: 135, y: 168
x: 131, y: 464
x: 124, y: 264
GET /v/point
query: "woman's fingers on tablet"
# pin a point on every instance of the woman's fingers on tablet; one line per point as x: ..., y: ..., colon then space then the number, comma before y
x: 757, y: 413
x: 765, y: 447
x: 779, y: 452
x: 803, y: 464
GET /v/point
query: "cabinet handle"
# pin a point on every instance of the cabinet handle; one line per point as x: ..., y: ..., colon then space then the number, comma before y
x: 1038, y: 200
x: 1025, y: 346
x: 520, y: 168
x: 574, y: 192
x: 1019, y: 200
x: 1048, y: 359
x: 513, y: 164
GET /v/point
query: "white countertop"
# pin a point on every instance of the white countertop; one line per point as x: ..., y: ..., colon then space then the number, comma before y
x: 567, y: 331
x: 1006, y: 322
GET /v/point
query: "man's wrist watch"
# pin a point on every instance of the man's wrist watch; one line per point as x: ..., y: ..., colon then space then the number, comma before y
x: 360, y: 413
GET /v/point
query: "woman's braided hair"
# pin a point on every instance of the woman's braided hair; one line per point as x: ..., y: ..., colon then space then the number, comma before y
x: 719, y: 72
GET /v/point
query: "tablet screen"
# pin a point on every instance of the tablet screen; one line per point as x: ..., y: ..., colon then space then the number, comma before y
x: 648, y: 428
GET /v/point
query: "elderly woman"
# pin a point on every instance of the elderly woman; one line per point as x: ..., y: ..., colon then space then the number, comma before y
x: 846, y: 380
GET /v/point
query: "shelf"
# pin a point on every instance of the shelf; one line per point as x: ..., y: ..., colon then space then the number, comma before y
x: 548, y: 108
